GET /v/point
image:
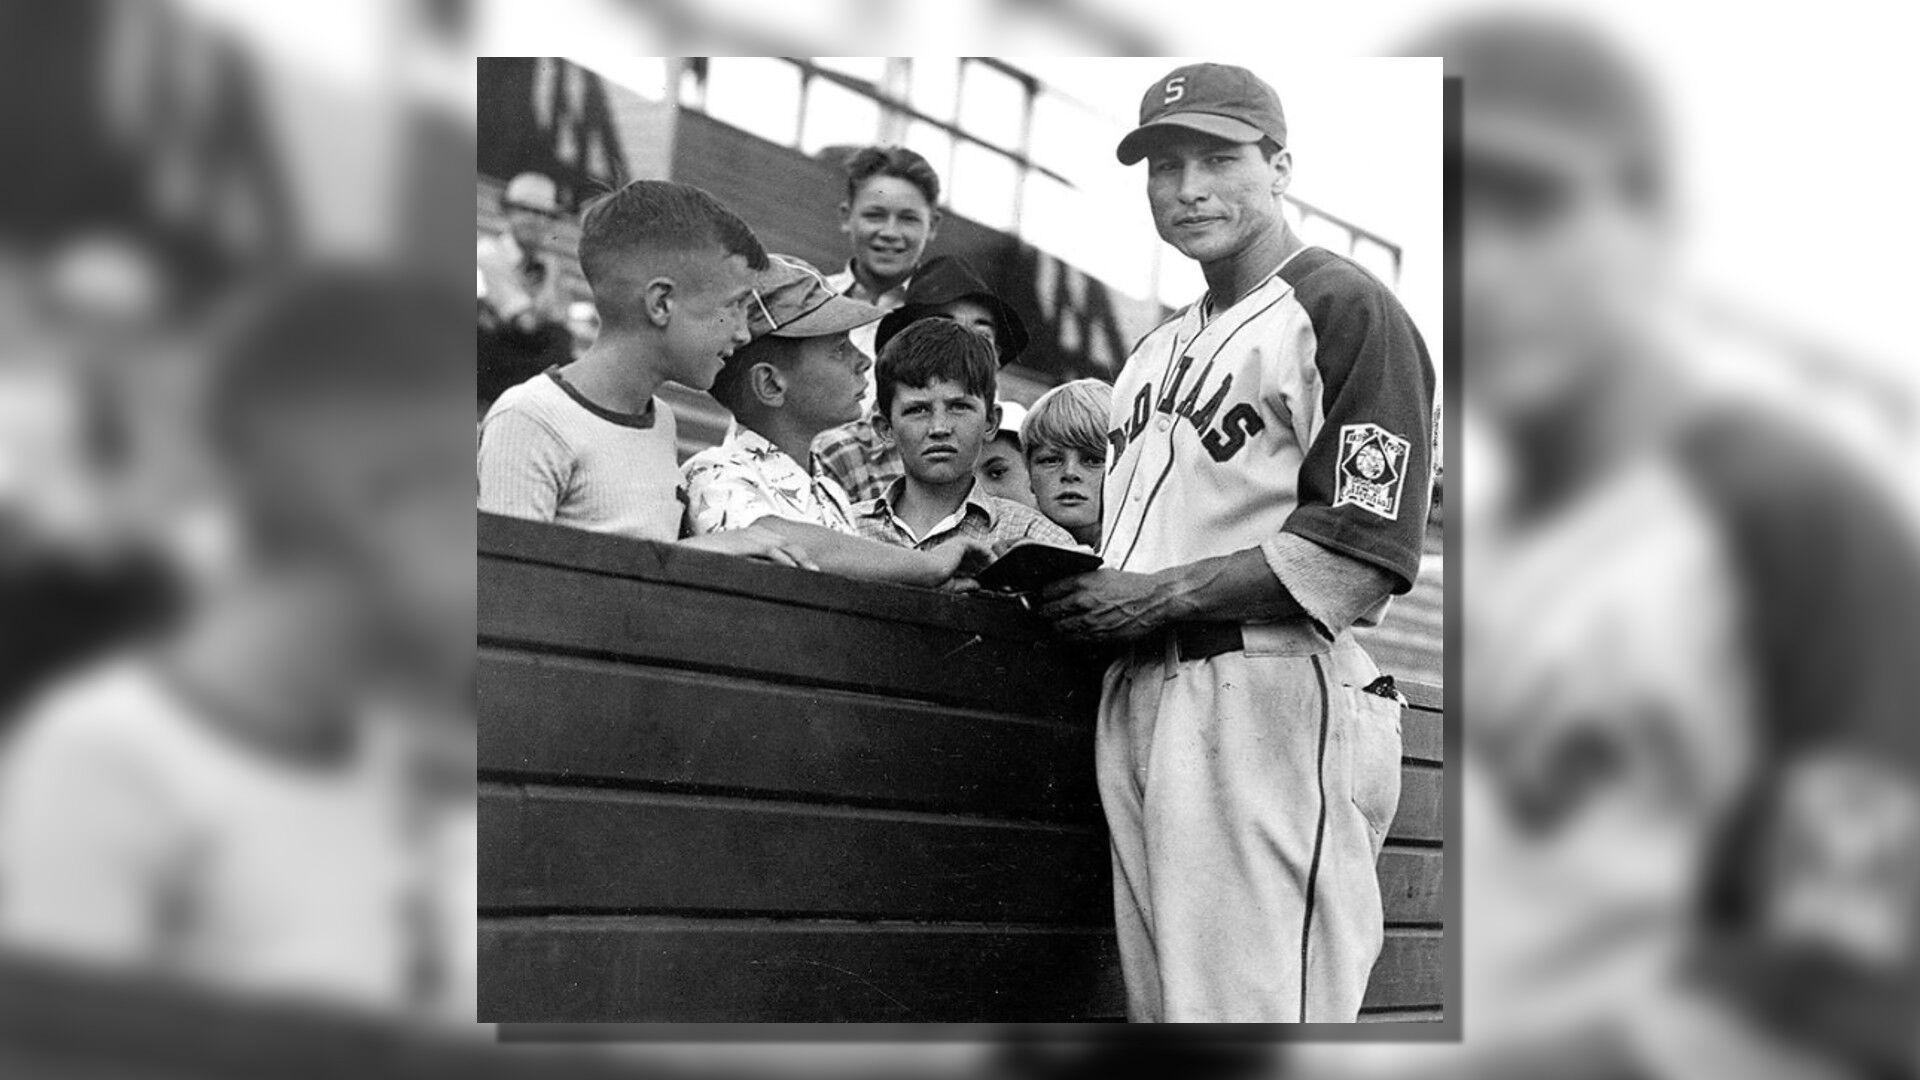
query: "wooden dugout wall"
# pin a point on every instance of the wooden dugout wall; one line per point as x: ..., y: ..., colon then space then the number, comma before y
x: 713, y: 791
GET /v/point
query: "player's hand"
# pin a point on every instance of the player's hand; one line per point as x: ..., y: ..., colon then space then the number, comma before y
x: 754, y: 542
x: 1107, y: 605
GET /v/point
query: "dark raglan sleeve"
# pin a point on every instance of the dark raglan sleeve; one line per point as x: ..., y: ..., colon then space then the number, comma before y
x: 1812, y: 894
x: 1366, y: 481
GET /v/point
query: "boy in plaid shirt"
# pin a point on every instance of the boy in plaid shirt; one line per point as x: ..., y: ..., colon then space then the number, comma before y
x: 935, y: 385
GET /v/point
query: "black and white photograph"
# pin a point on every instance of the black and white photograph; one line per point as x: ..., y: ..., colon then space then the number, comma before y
x: 962, y: 540
x: 1389, y: 527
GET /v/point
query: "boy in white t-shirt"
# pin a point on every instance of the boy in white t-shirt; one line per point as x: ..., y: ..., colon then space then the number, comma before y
x: 588, y: 444
x: 239, y: 801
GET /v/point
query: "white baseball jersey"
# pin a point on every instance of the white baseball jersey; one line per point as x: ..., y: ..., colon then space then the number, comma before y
x: 1307, y: 406
x: 1248, y: 793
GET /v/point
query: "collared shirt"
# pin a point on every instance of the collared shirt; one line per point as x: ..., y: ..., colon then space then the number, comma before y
x: 746, y: 478
x: 982, y: 516
x: 853, y: 454
x: 513, y: 281
x: 863, y: 464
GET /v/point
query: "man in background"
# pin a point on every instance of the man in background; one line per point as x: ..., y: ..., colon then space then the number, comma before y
x: 523, y: 314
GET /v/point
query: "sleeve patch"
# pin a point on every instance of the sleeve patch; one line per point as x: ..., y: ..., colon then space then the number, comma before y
x: 1372, y: 469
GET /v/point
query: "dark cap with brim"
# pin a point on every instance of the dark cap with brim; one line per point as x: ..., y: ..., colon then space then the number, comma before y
x: 940, y: 281
x: 1140, y: 140
x: 1220, y: 100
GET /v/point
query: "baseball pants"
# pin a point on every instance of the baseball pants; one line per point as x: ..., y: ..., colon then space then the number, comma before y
x: 1248, y: 797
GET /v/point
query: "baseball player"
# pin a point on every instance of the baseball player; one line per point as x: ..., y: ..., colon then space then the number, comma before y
x: 1267, y: 489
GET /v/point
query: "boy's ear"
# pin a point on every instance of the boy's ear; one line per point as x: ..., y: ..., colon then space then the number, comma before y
x: 767, y: 385
x: 993, y: 421
x: 846, y: 218
x: 883, y: 426
x: 933, y: 225
x: 656, y: 301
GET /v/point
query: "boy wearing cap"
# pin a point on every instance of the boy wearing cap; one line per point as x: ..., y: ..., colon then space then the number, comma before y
x: 1002, y: 468
x: 1267, y: 489
x: 935, y: 382
x: 800, y: 375
x: 1065, y: 435
x: 588, y: 445
x: 944, y: 287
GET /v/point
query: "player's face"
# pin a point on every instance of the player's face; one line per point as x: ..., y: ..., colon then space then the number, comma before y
x: 889, y: 224
x: 939, y: 428
x: 827, y: 385
x: 1002, y: 471
x: 974, y: 316
x: 1211, y: 198
x: 1066, y: 487
x: 709, y: 318
x: 1564, y: 271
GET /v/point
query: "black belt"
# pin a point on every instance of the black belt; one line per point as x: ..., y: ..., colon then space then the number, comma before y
x: 1200, y: 640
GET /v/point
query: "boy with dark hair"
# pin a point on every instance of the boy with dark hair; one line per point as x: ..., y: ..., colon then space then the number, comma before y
x: 935, y: 385
x: 588, y: 444
x: 798, y: 376
x: 944, y: 287
x: 1002, y: 468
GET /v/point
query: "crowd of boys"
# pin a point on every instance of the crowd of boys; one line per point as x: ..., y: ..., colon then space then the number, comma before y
x: 687, y: 294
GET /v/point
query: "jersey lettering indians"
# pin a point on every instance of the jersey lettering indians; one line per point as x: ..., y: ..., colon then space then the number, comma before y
x: 1307, y: 406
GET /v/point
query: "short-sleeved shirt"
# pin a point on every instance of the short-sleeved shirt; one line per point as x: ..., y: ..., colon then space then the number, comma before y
x: 747, y: 477
x: 982, y: 517
x: 134, y: 830
x: 862, y: 463
x: 548, y: 454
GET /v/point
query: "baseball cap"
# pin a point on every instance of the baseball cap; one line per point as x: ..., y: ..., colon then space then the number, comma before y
x: 1221, y: 100
x: 533, y: 191
x: 791, y: 299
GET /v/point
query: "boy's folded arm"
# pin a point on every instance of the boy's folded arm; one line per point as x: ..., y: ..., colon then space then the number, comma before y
x: 719, y: 501
x: 871, y: 560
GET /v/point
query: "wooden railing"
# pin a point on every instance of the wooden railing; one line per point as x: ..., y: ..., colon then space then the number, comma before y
x: 712, y: 790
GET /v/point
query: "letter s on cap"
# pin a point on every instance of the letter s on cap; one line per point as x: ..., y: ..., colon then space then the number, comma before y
x: 1176, y: 89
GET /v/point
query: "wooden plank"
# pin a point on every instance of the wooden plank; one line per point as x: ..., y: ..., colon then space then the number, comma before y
x: 548, y: 608
x: 556, y: 545
x: 1421, y: 737
x: 1422, y: 813
x: 558, y: 850
x: 561, y: 970
x: 570, y: 719
x: 1410, y: 973
x: 1412, y: 886
x: 1423, y: 696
